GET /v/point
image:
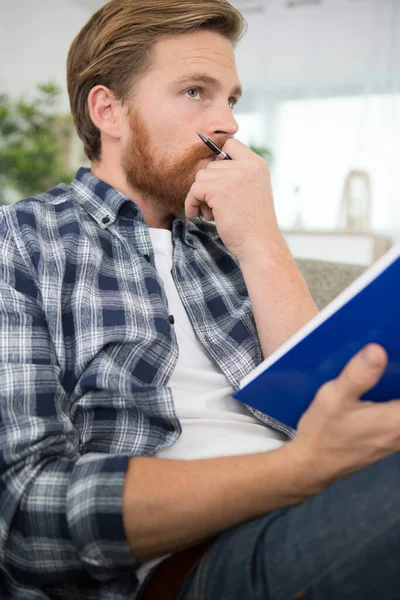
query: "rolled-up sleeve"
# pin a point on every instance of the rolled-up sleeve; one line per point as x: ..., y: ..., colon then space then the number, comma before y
x: 60, y: 512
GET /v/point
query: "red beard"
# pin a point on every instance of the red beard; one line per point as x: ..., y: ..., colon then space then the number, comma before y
x: 162, y: 180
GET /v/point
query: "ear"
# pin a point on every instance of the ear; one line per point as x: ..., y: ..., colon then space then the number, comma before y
x: 105, y: 111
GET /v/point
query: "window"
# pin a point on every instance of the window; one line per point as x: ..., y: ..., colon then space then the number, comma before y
x: 319, y: 141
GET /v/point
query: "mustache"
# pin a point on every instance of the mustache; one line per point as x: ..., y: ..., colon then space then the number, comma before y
x: 200, y: 150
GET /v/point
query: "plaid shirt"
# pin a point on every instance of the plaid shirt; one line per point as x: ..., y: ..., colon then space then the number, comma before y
x: 86, y: 350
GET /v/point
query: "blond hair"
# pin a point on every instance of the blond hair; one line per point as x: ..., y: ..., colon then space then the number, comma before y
x: 115, y: 47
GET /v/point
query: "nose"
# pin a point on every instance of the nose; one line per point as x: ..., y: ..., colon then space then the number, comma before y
x: 222, y: 122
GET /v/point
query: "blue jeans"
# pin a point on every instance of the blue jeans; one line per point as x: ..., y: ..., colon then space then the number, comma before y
x: 343, y: 543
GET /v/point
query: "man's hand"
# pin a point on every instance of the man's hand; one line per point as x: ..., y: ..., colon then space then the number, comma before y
x: 172, y: 504
x: 339, y: 433
x: 237, y: 195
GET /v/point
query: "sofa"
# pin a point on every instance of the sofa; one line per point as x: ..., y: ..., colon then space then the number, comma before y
x: 326, y: 280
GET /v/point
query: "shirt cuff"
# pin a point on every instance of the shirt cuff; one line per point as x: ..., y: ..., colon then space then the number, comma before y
x: 94, y: 514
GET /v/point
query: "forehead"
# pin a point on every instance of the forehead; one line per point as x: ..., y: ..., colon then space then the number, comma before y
x: 206, y: 49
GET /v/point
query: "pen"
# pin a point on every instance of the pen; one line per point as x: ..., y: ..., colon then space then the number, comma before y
x: 220, y: 155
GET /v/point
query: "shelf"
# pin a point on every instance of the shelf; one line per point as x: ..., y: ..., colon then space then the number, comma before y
x: 337, y: 246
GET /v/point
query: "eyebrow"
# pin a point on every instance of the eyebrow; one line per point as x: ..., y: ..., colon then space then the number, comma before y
x: 208, y: 80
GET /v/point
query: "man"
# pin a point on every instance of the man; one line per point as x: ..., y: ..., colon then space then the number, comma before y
x: 126, y: 323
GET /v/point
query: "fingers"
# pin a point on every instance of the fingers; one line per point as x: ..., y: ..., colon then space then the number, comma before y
x: 362, y: 372
x: 213, y: 174
x: 196, y: 199
x: 238, y: 151
x: 206, y: 212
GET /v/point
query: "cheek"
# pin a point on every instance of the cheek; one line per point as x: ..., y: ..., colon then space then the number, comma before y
x: 174, y: 125
x: 175, y: 130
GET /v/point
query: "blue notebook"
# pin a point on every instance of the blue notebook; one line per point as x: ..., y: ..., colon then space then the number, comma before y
x: 285, y: 383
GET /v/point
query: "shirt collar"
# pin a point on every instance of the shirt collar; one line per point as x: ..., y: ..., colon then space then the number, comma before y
x: 98, y: 198
x: 103, y: 202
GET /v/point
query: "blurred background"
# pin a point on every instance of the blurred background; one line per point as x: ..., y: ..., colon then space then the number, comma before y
x: 321, y: 103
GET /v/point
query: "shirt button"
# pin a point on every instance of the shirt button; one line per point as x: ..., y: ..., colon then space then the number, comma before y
x: 105, y: 220
x: 171, y: 319
x: 147, y: 257
x: 133, y: 212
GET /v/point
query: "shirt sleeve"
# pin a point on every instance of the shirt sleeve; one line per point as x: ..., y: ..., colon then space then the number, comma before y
x: 60, y: 512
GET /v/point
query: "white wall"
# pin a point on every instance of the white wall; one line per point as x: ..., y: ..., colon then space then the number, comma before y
x: 341, y: 46
x: 34, y: 39
x: 316, y: 50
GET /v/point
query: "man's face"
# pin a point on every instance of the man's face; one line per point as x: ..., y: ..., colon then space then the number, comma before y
x: 191, y: 86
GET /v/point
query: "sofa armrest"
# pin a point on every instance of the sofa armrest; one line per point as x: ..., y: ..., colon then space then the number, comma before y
x: 326, y: 280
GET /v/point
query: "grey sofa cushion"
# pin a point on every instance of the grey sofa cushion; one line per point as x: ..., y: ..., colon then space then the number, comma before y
x: 326, y: 280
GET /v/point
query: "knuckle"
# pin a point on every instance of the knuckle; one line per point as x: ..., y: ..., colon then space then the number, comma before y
x: 386, y: 441
x: 327, y: 394
x: 253, y: 166
x: 327, y: 389
x: 258, y: 167
x: 195, y: 187
x: 352, y: 378
x: 199, y: 176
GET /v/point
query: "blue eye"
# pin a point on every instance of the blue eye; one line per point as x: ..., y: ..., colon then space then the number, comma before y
x: 193, y: 93
x: 232, y: 102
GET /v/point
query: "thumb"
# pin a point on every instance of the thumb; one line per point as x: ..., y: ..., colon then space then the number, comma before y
x: 363, y: 371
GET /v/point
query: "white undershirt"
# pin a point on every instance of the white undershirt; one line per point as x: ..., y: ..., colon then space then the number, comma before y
x: 213, y: 423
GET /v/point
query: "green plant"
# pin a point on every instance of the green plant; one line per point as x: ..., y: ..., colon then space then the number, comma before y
x: 32, y: 138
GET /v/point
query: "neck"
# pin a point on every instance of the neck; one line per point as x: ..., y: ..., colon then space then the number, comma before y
x: 112, y: 173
